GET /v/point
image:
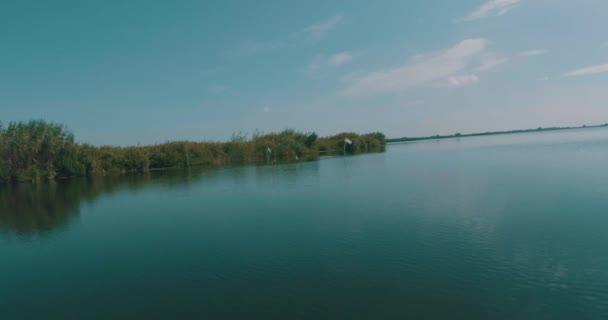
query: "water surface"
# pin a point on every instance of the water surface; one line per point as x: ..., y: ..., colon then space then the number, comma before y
x: 496, y: 227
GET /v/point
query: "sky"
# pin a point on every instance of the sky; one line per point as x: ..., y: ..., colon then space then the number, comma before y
x: 143, y: 72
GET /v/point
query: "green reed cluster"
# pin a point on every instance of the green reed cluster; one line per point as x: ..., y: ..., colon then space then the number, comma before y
x: 39, y: 150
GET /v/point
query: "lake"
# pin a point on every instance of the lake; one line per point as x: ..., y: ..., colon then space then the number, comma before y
x: 495, y: 227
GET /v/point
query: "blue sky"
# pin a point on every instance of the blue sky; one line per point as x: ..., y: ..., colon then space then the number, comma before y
x: 129, y: 72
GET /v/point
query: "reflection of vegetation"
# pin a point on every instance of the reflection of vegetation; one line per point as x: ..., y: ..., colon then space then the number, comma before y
x: 38, y: 208
x: 34, y: 209
x: 38, y: 150
x: 458, y: 135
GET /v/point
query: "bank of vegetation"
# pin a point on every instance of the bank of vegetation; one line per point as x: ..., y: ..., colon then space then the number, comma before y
x: 39, y: 150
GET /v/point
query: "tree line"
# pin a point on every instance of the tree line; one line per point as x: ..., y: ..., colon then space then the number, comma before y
x: 39, y: 150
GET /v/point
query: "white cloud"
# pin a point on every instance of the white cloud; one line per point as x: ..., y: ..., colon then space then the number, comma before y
x: 315, y: 66
x: 459, y: 81
x: 531, y: 53
x: 424, y: 70
x: 267, y: 109
x: 491, y: 62
x: 340, y: 58
x: 308, y: 36
x: 492, y: 8
x: 320, y: 63
x: 588, y: 71
x: 318, y: 31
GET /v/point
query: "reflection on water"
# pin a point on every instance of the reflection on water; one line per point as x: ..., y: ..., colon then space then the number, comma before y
x: 31, y: 209
x: 41, y: 209
x: 27, y: 209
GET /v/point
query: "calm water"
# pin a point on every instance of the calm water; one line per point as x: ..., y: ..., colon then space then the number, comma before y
x: 502, y: 227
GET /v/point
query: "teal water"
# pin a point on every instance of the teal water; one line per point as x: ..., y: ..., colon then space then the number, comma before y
x: 498, y: 227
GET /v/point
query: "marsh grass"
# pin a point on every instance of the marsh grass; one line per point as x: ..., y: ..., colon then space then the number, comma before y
x: 39, y: 150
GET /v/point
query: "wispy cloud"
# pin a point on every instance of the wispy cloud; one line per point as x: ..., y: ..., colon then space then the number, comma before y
x: 310, y: 35
x: 318, y: 31
x: 492, y: 8
x: 340, y: 58
x: 490, y: 62
x: 441, y: 68
x: 266, y: 109
x: 588, y: 71
x: 321, y: 63
x: 531, y: 53
x: 459, y: 81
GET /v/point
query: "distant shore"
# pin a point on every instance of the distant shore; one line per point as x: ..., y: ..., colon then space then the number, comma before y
x: 491, y: 133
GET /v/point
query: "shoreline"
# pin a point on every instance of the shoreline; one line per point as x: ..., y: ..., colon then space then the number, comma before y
x: 493, y: 133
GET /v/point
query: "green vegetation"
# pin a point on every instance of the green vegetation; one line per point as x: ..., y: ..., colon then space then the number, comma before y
x: 458, y: 135
x: 38, y: 150
x: 334, y: 145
